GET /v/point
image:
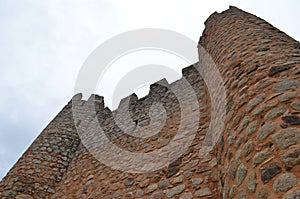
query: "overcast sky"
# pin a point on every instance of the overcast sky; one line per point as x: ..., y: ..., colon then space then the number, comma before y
x: 44, y: 43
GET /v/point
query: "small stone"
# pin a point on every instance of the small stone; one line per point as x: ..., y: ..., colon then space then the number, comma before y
x: 287, y: 137
x: 291, y: 157
x: 247, y: 149
x: 266, y: 130
x: 286, y: 96
x: 260, y: 157
x: 196, y: 182
x: 252, y: 103
x: 156, y: 195
x: 151, y: 188
x: 251, y: 127
x: 295, y: 194
x: 275, y: 112
x: 241, y: 173
x: 285, y: 85
x: 213, y: 162
x: 232, y: 191
x: 270, y: 172
x: 186, y: 195
x: 163, y: 184
x: 202, y: 169
x: 177, y: 180
x: 171, y: 171
x: 144, y: 183
x: 129, y: 181
x: 263, y: 194
x: 296, y: 105
x: 139, y: 193
x: 203, y: 192
x: 174, y: 191
x: 293, y: 120
x: 251, y: 182
x: 285, y: 182
x: 232, y: 169
x: 277, y: 69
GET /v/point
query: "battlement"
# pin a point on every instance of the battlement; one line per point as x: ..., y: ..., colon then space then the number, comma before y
x: 255, y: 154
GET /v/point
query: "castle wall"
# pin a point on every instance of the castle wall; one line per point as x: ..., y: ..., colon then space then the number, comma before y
x: 255, y: 156
x: 258, y: 154
x: 44, y: 163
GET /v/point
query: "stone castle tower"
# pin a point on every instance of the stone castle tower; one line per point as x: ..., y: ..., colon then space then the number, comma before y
x: 256, y: 156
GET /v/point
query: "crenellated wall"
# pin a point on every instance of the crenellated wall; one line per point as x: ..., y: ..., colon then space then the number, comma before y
x: 256, y: 156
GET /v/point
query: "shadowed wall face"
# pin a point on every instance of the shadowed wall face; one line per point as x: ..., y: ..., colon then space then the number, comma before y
x: 257, y: 155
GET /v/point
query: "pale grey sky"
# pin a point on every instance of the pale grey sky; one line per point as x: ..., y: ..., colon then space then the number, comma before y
x: 44, y: 43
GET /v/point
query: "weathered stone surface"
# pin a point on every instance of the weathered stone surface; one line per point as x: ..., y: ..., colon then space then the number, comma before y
x: 151, y: 188
x: 291, y: 157
x: 277, y: 69
x: 174, y: 191
x: 156, y: 195
x: 263, y: 193
x: 186, y: 195
x: 248, y: 148
x: 232, y: 169
x: 139, y: 193
x: 196, y: 182
x: 286, y: 85
x: 203, y: 192
x: 287, y: 137
x: 292, y: 119
x: 241, y: 173
x: 251, y: 182
x: 286, y: 96
x: 270, y: 172
x: 252, y: 103
x: 172, y: 171
x: 232, y: 191
x: 129, y: 181
x: 292, y: 194
x: 251, y: 127
x: 266, y: 130
x: 296, y: 105
x: 285, y: 182
x: 164, y: 184
x: 260, y: 157
x: 275, y: 112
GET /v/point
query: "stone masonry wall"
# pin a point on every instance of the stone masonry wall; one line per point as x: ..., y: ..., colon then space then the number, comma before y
x: 256, y: 156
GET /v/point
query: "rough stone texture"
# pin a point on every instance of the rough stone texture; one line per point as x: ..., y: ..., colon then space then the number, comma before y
x: 287, y: 137
x: 260, y: 157
x: 270, y: 172
x: 260, y: 68
x: 285, y: 182
x: 291, y: 157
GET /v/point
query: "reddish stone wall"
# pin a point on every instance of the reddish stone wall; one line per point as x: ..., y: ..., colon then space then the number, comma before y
x: 257, y: 155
